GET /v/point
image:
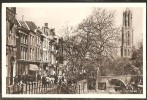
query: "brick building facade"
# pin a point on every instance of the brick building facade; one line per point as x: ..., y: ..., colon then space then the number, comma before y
x: 30, y: 50
x: 11, y: 30
x: 22, y: 48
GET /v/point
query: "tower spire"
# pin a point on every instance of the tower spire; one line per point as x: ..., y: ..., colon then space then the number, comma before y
x: 127, y: 34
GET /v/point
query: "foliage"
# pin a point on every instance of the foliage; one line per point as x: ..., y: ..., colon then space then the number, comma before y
x: 124, y: 67
x: 97, y: 35
x: 137, y: 57
x: 120, y: 66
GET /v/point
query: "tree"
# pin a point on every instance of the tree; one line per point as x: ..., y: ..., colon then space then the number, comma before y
x: 97, y: 35
x: 137, y: 57
x: 125, y: 67
x: 69, y: 50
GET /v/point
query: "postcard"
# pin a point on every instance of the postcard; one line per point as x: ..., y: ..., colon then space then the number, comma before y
x: 74, y: 50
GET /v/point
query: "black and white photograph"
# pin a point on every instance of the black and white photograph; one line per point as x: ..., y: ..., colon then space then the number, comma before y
x: 74, y: 50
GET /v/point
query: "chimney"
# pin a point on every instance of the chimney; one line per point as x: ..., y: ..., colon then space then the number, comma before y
x: 46, y: 24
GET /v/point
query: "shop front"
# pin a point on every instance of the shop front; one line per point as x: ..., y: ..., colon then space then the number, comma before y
x: 33, y: 71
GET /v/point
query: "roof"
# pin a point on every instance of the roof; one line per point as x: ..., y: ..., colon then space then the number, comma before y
x: 40, y: 30
x: 31, y: 25
x: 22, y: 23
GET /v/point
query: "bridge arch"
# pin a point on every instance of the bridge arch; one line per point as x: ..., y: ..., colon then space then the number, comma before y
x: 117, y: 82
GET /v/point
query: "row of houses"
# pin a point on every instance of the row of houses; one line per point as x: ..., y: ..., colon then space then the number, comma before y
x: 31, y: 50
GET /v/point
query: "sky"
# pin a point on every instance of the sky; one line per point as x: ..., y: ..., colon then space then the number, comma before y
x: 57, y: 17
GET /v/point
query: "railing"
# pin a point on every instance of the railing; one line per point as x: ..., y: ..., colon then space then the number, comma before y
x: 31, y: 88
x: 67, y: 89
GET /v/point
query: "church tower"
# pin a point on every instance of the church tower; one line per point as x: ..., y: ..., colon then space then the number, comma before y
x: 127, y: 34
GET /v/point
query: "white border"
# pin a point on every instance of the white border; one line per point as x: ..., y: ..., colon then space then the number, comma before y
x: 4, y: 5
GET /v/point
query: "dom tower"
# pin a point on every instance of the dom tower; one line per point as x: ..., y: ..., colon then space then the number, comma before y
x: 127, y: 34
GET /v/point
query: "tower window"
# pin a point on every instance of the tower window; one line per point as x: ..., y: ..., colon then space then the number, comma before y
x: 129, y: 19
x: 128, y: 38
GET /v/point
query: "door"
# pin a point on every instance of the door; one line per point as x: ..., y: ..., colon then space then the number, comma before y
x: 11, y: 70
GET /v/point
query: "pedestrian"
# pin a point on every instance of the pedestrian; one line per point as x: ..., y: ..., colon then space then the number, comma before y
x: 43, y: 81
x: 16, y: 79
x: 38, y: 77
x: 47, y: 79
x: 59, y: 81
x: 56, y: 79
x: 62, y: 78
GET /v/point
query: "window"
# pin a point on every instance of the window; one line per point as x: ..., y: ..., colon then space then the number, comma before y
x: 38, y: 39
x: 43, y: 56
x: 30, y: 39
x: 21, y: 52
x: 128, y: 52
x: 38, y: 53
x: 30, y: 53
x: 21, y: 37
x: 24, y: 53
x: 46, y: 55
x: 125, y: 52
x: 102, y: 86
x: 33, y: 54
x: 44, y: 43
x: 33, y: 40
x: 24, y: 40
x: 7, y: 59
x: 13, y: 38
x: 128, y: 37
x: 129, y: 19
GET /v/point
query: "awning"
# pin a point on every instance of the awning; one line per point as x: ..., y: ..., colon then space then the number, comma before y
x: 33, y: 67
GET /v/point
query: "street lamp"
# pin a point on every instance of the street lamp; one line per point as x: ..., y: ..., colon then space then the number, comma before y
x: 87, y: 56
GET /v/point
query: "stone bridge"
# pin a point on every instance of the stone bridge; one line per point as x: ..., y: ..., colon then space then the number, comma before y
x: 124, y: 80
